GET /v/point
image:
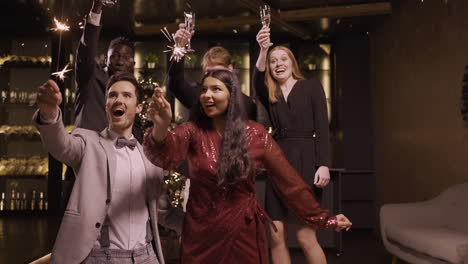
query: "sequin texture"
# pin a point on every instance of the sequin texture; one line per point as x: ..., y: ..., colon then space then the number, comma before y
x: 225, y: 224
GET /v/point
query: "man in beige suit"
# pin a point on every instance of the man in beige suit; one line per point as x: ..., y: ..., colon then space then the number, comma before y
x: 118, y: 196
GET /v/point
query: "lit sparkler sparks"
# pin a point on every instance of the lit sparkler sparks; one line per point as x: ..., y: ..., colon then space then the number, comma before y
x: 177, y: 52
x: 61, y: 74
x: 60, y: 26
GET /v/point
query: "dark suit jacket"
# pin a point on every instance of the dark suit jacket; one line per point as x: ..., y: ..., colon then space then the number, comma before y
x: 91, y: 81
x: 187, y: 93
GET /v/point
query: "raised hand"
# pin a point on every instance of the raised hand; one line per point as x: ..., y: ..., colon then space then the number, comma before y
x: 97, y: 6
x: 48, y: 100
x: 182, y: 36
x: 343, y: 223
x: 263, y: 38
x: 160, y: 113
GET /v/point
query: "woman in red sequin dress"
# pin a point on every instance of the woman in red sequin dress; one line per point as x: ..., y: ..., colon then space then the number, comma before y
x: 224, y: 222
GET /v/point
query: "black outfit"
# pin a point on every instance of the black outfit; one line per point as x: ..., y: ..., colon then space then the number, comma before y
x: 91, y: 82
x: 188, y: 93
x: 301, y: 129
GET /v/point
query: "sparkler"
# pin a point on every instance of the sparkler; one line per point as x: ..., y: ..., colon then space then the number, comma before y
x: 61, y: 74
x: 60, y: 26
x: 177, y: 52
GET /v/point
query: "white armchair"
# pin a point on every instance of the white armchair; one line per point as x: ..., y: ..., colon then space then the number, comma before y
x: 429, y: 232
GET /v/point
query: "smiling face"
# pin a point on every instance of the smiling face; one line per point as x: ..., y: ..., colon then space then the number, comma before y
x: 120, y: 59
x: 214, y: 97
x: 121, y: 107
x: 280, y: 65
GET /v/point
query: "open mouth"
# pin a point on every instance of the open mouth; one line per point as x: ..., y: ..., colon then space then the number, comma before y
x: 210, y: 105
x: 280, y: 70
x: 118, y: 112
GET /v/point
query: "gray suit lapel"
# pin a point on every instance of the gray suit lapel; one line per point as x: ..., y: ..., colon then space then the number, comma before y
x: 108, y: 146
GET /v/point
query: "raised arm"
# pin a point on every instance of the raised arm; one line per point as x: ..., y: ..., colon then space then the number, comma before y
x: 295, y: 193
x: 263, y: 39
x: 161, y: 151
x: 88, y: 47
x: 258, y: 76
x: 165, y: 149
x: 56, y: 140
x: 184, y: 91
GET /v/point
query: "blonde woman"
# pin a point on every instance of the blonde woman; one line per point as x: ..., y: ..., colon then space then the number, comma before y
x: 298, y: 113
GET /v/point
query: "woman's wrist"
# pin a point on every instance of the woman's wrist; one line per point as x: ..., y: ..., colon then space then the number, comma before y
x: 159, y: 134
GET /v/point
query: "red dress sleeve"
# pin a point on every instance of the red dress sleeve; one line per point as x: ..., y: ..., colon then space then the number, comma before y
x: 292, y: 189
x: 169, y: 153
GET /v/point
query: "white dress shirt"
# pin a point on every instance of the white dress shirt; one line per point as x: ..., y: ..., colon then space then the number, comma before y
x: 128, y: 210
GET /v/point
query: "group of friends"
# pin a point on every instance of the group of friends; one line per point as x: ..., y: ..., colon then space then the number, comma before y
x: 119, y: 196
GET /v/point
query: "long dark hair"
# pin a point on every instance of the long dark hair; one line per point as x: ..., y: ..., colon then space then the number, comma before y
x: 234, y: 160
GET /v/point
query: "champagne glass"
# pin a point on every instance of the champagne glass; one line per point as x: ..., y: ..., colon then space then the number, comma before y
x: 265, y: 17
x: 189, y: 24
x: 109, y: 2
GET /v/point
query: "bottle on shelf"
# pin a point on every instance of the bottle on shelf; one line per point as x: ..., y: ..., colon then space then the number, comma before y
x: 24, y: 202
x: 12, y: 200
x: 41, y: 201
x: 33, y: 200
x: 2, y: 202
x: 18, y: 201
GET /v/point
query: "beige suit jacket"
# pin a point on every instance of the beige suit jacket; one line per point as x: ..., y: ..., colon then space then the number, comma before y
x: 91, y: 155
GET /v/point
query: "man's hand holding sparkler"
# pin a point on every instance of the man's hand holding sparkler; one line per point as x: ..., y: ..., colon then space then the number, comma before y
x: 48, y: 100
x: 181, y: 39
x: 182, y: 36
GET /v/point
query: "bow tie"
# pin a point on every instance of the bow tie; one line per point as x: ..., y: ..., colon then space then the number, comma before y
x: 122, y: 142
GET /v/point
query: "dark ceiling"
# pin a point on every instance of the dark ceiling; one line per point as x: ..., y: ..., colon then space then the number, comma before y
x: 302, y: 19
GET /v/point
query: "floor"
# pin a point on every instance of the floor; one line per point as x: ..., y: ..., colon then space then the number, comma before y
x: 26, y: 237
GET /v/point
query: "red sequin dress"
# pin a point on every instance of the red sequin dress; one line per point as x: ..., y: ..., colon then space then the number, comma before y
x: 225, y: 223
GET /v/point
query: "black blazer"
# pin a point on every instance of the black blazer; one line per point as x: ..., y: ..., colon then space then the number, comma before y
x: 91, y: 81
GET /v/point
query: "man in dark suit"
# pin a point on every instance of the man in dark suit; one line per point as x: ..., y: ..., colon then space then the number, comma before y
x: 91, y: 77
x: 118, y: 196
